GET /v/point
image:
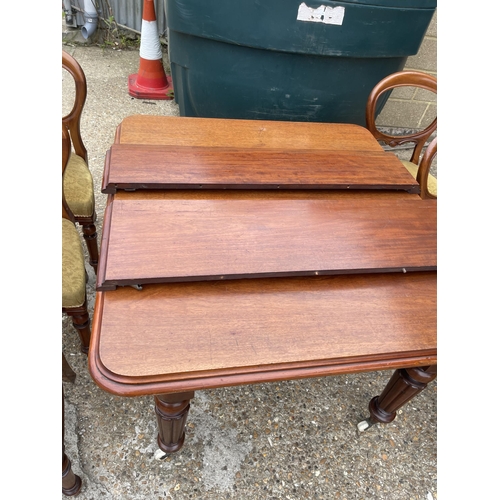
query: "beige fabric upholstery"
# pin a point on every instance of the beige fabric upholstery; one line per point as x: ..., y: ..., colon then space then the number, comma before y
x: 432, y: 185
x: 79, y: 187
x: 73, y: 266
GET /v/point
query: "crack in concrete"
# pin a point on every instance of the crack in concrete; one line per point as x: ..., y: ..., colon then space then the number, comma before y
x: 223, y: 453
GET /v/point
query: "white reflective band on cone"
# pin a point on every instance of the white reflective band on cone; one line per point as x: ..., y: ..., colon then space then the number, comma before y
x: 150, y: 41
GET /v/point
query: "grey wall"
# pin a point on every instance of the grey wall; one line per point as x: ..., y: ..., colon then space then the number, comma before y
x: 414, y: 108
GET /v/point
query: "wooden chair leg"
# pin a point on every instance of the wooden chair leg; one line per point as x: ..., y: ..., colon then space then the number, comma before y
x: 81, y: 321
x: 68, y: 375
x: 71, y: 483
x: 90, y: 236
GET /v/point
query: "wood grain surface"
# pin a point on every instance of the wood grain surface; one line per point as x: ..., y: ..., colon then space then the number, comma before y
x: 221, y: 132
x: 153, y: 241
x: 175, y: 331
x: 184, y: 335
x: 258, y: 195
x: 131, y: 166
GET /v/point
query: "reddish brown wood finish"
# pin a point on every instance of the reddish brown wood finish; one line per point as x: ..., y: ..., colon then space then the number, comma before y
x: 172, y: 339
x: 72, y: 122
x: 79, y: 315
x: 73, y: 118
x: 156, y: 241
x: 71, y: 483
x: 424, y: 168
x: 262, y: 194
x: 181, y: 167
x: 81, y: 323
x: 258, y: 134
x: 190, y: 336
x: 401, y: 79
x: 413, y: 79
x: 403, y: 386
x: 66, y: 151
x: 89, y: 231
x: 171, y: 413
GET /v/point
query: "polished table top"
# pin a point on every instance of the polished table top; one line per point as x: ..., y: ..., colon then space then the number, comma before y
x: 204, y: 153
x: 131, y: 166
x: 172, y: 337
x: 159, y: 241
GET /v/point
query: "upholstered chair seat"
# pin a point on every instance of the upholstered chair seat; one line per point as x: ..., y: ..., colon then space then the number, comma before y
x: 78, y: 184
x: 73, y: 266
x: 74, y: 275
x: 431, y: 180
x: 78, y: 187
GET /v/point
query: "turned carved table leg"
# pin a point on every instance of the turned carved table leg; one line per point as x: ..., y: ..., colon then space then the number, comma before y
x: 404, y: 385
x: 71, y: 483
x: 171, y: 413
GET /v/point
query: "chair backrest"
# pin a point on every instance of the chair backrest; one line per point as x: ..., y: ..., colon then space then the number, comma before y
x: 424, y: 167
x: 66, y: 151
x: 395, y: 80
x: 72, y: 119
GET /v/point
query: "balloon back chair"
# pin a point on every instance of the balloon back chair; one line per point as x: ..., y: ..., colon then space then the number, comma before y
x: 78, y: 181
x: 419, y: 138
x: 74, y: 276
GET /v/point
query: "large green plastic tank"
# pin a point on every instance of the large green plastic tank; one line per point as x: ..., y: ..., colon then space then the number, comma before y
x: 288, y: 59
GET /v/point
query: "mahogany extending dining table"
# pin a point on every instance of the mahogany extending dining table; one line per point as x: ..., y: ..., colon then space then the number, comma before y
x: 238, y: 252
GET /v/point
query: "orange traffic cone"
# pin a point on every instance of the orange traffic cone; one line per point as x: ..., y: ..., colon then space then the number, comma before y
x: 150, y: 82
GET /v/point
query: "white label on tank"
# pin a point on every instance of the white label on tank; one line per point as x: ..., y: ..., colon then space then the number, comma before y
x: 322, y: 14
